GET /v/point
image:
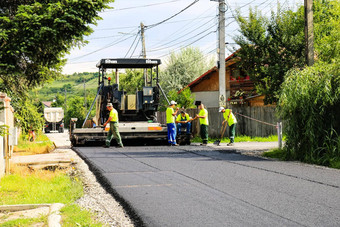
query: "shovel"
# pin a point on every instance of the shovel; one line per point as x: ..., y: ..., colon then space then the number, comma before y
x: 217, y: 142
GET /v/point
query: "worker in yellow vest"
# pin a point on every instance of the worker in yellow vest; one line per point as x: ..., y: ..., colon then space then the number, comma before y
x: 113, y: 119
x: 170, y: 123
x: 183, y: 120
x: 230, y: 119
x: 204, y: 123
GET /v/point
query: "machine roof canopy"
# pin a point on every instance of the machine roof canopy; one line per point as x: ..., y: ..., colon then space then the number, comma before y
x: 127, y: 63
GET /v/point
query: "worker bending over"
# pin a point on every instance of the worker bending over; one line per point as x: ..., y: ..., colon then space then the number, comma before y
x: 230, y: 119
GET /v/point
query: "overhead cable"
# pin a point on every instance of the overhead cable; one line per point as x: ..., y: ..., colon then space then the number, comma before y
x: 154, y: 25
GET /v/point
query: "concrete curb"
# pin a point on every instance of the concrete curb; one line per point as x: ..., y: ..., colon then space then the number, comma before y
x: 54, y: 216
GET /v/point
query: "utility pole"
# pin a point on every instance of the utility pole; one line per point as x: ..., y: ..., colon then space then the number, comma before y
x: 85, y: 104
x: 309, y: 35
x: 143, y: 51
x: 221, y: 53
x: 65, y: 106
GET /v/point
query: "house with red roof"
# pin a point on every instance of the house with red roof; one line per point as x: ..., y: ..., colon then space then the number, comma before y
x: 240, y: 90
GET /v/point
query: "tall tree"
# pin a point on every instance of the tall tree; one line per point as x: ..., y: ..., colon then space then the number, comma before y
x: 183, y: 67
x: 36, y: 34
x: 270, y: 47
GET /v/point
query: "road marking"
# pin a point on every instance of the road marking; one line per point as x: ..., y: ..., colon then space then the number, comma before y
x: 143, y: 185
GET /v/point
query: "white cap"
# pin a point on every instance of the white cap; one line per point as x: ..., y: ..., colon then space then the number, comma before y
x: 109, y: 105
x: 173, y: 102
x: 220, y: 109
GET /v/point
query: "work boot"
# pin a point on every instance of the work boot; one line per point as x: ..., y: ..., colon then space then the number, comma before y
x: 106, y: 146
x: 230, y: 144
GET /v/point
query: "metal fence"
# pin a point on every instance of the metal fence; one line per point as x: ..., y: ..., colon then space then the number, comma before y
x: 259, y: 121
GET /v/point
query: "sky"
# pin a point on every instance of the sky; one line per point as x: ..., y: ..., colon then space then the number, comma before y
x: 190, y: 23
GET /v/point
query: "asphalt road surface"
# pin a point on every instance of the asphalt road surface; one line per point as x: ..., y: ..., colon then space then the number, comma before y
x: 202, y: 186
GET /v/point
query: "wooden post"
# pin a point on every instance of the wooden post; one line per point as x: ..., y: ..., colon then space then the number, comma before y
x: 309, y: 36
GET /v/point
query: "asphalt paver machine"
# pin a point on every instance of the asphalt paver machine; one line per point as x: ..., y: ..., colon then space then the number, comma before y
x: 137, y: 112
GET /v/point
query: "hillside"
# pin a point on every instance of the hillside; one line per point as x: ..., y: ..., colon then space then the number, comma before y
x: 73, y: 84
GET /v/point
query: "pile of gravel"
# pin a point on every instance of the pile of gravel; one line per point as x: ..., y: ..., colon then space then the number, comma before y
x: 95, y: 198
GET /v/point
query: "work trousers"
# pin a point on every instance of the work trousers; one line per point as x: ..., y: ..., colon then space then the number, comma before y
x: 204, y: 133
x: 171, y: 133
x: 232, y: 130
x: 184, y: 125
x: 113, y: 132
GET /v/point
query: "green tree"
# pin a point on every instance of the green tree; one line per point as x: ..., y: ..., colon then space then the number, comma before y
x: 35, y: 35
x: 131, y: 81
x: 182, y: 68
x: 185, y: 99
x: 270, y: 47
x: 309, y: 104
x: 326, y: 29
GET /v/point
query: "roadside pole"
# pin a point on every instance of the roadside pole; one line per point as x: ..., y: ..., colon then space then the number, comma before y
x: 279, y: 134
x: 309, y: 35
x: 221, y: 53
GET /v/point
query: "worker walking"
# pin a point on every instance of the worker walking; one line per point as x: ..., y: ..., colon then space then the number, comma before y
x: 230, y: 119
x: 170, y: 122
x: 113, y: 119
x: 183, y: 121
x: 204, y: 123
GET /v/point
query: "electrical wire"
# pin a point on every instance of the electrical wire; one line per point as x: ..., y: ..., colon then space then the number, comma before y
x: 132, y: 43
x: 141, y: 6
x: 177, y: 38
x: 163, y: 21
x: 135, y: 47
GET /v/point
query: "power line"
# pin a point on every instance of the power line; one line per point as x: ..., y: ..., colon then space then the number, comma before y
x: 154, y: 25
x: 177, y: 38
x: 132, y: 44
x: 141, y: 6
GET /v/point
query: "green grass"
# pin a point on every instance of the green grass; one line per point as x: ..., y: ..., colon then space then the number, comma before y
x: 75, y: 216
x: 272, y: 138
x: 43, y: 187
x: 41, y: 145
x: 24, y: 222
x: 276, y: 153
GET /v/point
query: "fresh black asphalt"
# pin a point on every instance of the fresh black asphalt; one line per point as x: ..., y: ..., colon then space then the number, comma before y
x: 195, y: 186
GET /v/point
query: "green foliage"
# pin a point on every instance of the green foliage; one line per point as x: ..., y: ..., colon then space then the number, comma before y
x: 76, y: 109
x: 25, y: 222
x: 182, y: 68
x: 326, y: 29
x: 131, y: 81
x: 33, y: 189
x: 35, y: 36
x: 275, y: 153
x: 270, y: 47
x: 310, y: 105
x: 27, y: 115
x: 184, y: 100
x: 73, y: 215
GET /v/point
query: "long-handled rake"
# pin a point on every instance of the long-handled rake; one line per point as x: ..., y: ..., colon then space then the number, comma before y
x: 223, y: 128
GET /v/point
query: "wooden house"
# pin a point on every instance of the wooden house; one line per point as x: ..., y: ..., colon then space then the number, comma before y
x: 240, y: 90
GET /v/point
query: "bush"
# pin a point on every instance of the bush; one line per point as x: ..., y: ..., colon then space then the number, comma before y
x: 310, y: 105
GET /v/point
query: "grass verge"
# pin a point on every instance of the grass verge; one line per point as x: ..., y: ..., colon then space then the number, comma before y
x: 276, y: 153
x: 41, y: 145
x: 272, y: 138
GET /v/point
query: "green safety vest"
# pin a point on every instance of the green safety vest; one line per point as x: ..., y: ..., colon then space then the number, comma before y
x: 169, y: 117
x: 232, y: 119
x: 114, y: 115
x: 185, y: 118
x: 204, y: 121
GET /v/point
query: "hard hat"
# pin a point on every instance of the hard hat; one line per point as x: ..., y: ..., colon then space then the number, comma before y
x: 220, y: 109
x: 173, y: 102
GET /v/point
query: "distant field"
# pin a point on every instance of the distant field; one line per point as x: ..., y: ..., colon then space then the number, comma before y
x: 74, y: 85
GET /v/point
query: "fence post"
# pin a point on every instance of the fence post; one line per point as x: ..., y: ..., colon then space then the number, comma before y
x: 279, y: 134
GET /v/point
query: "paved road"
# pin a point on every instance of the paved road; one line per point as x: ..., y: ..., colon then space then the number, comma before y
x: 197, y: 186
